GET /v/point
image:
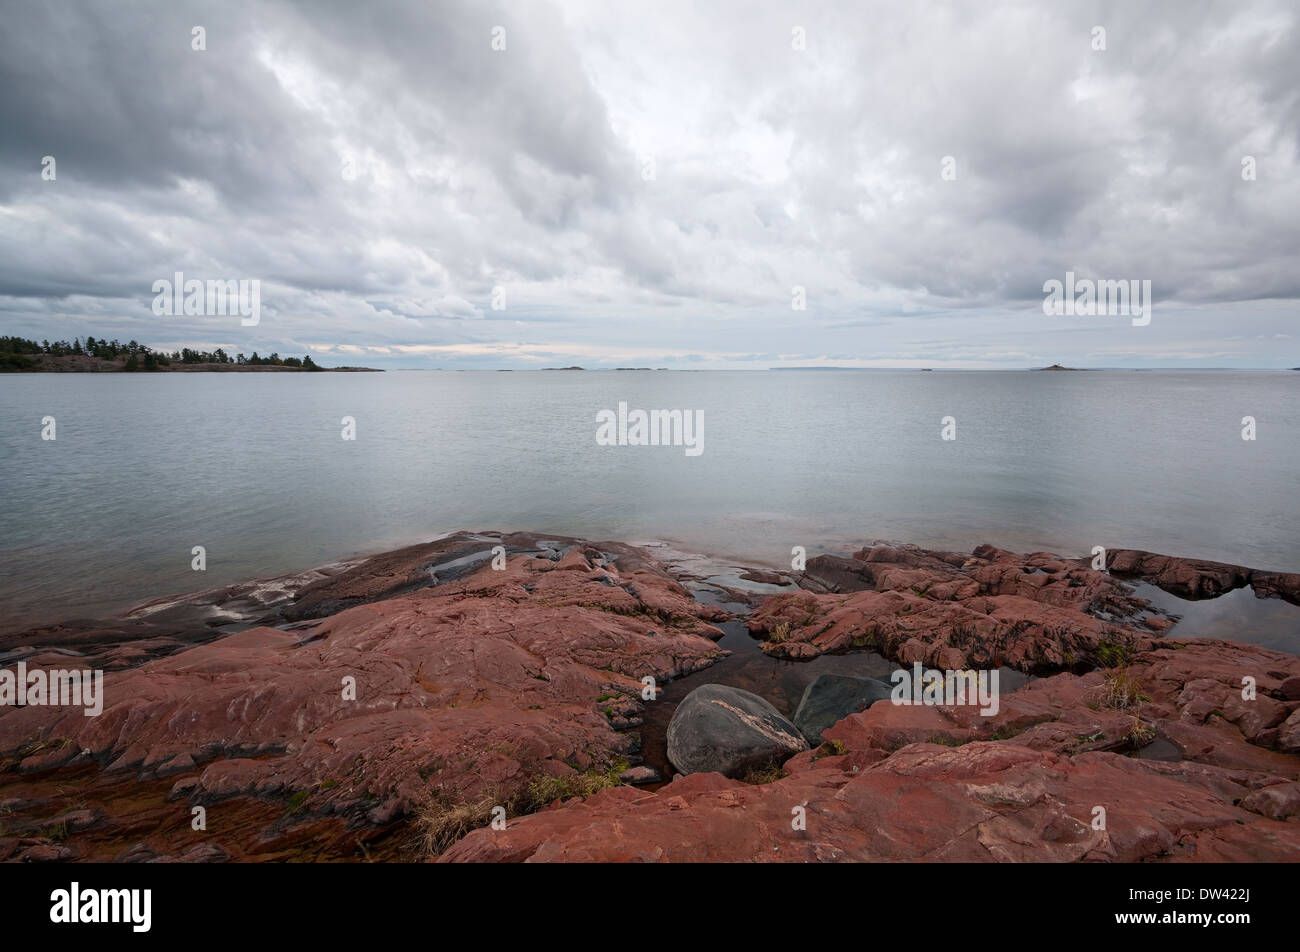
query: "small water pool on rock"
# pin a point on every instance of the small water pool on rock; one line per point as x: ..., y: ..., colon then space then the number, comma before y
x: 779, y: 681
x: 1159, y: 749
x: 1237, y: 616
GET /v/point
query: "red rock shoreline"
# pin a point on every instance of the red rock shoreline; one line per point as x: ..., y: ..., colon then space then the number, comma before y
x: 476, y: 687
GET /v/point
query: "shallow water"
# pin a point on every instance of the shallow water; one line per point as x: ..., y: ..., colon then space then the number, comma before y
x: 1236, y: 616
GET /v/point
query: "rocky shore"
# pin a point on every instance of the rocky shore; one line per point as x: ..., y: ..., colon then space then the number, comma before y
x: 484, y: 697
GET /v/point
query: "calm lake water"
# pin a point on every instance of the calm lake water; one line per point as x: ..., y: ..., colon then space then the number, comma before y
x: 253, y: 467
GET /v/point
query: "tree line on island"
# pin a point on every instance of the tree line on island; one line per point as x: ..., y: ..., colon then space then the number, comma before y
x: 19, y: 353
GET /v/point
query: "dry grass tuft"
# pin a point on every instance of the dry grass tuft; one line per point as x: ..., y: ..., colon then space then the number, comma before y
x: 780, y: 633
x: 441, y: 825
x: 1121, y: 690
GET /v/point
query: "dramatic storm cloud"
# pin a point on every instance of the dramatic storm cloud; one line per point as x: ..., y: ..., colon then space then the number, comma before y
x: 649, y: 184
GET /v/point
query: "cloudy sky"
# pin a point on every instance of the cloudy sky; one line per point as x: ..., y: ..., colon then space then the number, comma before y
x: 646, y: 184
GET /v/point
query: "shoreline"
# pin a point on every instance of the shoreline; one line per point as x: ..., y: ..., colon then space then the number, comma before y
x: 1228, y: 576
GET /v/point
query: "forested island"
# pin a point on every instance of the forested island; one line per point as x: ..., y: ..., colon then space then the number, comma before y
x: 99, y: 355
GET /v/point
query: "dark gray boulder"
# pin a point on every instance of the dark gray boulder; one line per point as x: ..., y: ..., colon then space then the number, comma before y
x: 833, y: 697
x: 722, y: 728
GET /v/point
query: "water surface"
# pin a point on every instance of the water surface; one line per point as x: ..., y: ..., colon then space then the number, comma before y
x: 252, y: 467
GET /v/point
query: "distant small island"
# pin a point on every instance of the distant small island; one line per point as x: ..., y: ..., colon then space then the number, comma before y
x: 1059, y: 367
x: 562, y: 368
x: 18, y: 354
